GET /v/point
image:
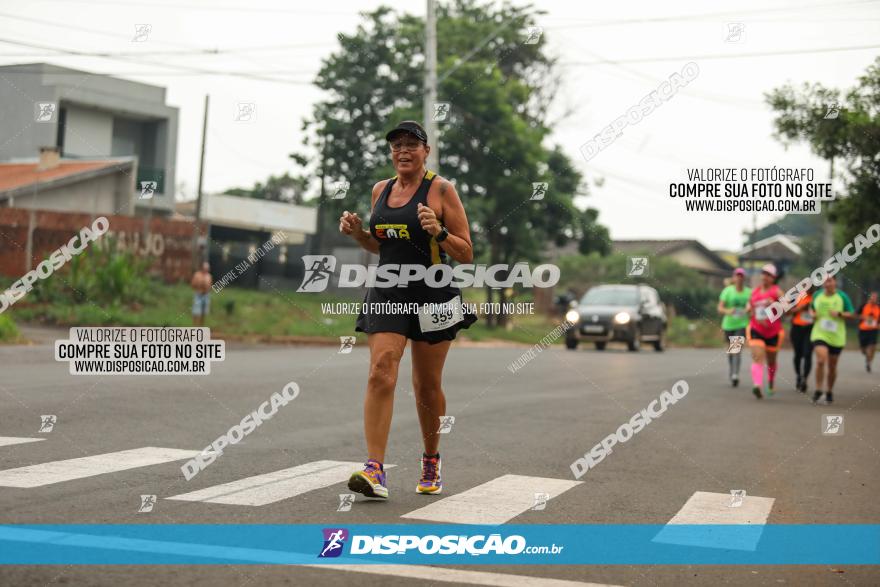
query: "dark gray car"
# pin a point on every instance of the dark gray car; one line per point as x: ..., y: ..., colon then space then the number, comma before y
x: 618, y: 313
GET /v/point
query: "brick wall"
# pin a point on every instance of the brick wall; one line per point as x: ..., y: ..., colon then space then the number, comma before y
x: 167, y: 242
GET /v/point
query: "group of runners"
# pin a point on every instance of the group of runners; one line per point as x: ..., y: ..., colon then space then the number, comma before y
x: 818, y: 328
x: 417, y: 218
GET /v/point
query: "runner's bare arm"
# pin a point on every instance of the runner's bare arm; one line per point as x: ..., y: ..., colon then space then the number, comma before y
x: 447, y: 205
x: 352, y: 225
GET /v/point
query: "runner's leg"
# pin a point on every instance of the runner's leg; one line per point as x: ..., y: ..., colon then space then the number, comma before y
x: 386, y: 350
x: 807, y: 351
x: 427, y: 373
x: 821, y: 362
x: 832, y: 371
x: 797, y: 344
x: 732, y: 358
x: 771, y: 366
x: 758, y: 358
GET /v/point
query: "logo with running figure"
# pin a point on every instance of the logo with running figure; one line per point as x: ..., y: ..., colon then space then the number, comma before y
x: 539, y: 190
x: 47, y: 422
x: 319, y: 268
x: 446, y: 423
x: 637, y: 267
x: 346, y: 344
x: 392, y: 231
x: 45, y: 111
x: 334, y: 542
x: 736, y: 32
x: 832, y: 424
x: 346, y: 500
x: 737, y: 497
x: 833, y: 111
x: 340, y: 188
x: 441, y: 111
x: 148, y: 502
x: 541, y: 500
x: 736, y: 344
x: 533, y: 35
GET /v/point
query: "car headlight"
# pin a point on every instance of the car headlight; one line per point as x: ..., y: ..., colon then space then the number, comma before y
x: 622, y: 318
x: 572, y: 316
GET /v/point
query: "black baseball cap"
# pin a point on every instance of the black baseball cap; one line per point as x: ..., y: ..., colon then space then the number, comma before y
x: 410, y: 126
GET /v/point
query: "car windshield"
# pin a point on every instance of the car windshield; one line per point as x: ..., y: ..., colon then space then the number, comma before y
x: 611, y: 296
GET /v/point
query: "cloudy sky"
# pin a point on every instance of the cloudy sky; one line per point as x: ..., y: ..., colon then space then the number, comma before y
x: 610, y: 54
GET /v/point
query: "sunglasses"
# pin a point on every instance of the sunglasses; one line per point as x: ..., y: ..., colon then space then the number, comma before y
x: 398, y: 146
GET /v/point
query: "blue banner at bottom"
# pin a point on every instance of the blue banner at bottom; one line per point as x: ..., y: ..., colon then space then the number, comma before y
x: 531, y: 544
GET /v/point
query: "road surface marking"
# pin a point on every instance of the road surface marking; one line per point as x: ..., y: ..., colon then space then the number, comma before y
x: 111, y: 462
x: 704, y: 508
x: 10, y: 440
x: 431, y: 574
x: 277, y: 485
x: 495, y: 502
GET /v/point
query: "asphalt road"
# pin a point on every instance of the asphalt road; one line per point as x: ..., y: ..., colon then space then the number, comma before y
x: 533, y: 422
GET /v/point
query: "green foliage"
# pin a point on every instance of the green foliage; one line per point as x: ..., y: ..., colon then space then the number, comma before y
x: 229, y: 307
x: 852, y: 140
x: 282, y: 188
x: 8, y: 329
x: 101, y: 275
x: 492, y: 145
x: 679, y: 287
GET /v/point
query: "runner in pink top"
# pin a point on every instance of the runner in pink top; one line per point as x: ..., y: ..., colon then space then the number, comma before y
x: 764, y: 336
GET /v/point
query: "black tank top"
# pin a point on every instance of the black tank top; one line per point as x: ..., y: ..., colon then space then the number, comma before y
x: 399, y: 232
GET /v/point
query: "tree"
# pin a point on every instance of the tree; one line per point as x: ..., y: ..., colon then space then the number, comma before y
x: 492, y: 143
x: 281, y: 188
x: 843, y: 126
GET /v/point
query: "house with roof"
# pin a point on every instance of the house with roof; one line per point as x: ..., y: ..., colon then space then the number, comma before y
x: 687, y: 252
x: 94, y: 186
x: 96, y: 123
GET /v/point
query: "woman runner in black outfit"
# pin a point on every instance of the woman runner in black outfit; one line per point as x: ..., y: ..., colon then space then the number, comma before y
x: 417, y: 219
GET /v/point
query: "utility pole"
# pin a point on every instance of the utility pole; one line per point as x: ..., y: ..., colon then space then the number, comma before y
x: 827, y: 228
x: 318, y: 242
x: 196, y: 261
x: 430, y: 97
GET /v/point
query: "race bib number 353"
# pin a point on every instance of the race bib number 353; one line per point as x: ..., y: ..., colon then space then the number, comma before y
x: 433, y: 317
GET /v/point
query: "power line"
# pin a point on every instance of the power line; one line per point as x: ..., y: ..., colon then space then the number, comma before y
x: 244, y: 7
x: 189, y: 69
x: 709, y: 15
x: 189, y: 49
x: 719, y: 56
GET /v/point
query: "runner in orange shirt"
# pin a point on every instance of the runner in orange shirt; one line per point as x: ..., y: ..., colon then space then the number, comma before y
x: 869, y: 315
x: 801, y: 325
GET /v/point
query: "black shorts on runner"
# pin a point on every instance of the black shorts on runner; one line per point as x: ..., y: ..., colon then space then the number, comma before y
x: 390, y: 309
x: 771, y: 342
x: 832, y: 350
x: 867, y: 338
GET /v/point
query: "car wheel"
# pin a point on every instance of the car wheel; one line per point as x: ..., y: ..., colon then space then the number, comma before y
x: 600, y: 346
x: 571, y: 343
x: 660, y: 343
x: 635, y: 343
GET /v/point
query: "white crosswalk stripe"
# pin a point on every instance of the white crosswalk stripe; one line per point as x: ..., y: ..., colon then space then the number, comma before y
x: 10, y: 440
x: 495, y: 502
x: 277, y: 485
x: 70, y: 469
x: 444, y: 575
x: 721, y: 509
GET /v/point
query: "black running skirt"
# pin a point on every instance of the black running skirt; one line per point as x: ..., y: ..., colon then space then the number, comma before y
x: 427, y: 314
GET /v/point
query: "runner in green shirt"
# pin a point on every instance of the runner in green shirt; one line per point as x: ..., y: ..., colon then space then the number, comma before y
x: 732, y: 305
x: 831, y: 308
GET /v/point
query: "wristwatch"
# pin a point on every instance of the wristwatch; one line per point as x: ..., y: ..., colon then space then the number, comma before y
x: 442, y: 235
